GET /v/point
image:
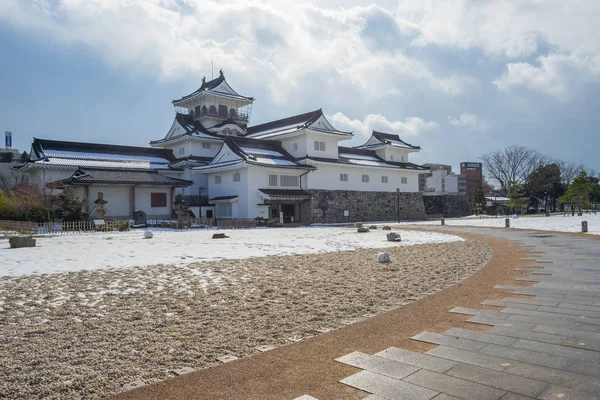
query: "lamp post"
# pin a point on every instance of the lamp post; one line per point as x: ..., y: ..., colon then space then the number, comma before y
x: 398, y: 203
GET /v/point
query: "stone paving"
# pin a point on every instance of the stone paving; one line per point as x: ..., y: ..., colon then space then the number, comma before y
x: 544, y: 347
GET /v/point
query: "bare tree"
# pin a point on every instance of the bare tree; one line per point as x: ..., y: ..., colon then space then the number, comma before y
x: 568, y: 171
x: 512, y: 164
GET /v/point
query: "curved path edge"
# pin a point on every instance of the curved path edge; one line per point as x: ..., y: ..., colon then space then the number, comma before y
x: 309, y: 366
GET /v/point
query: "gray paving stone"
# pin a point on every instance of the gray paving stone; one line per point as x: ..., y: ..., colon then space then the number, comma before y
x: 557, y: 350
x: 587, y: 327
x: 386, y: 387
x: 514, y: 396
x: 454, y: 386
x: 556, y: 392
x: 570, y: 311
x: 470, y: 357
x: 527, y: 334
x: 379, y: 365
x: 497, y: 379
x: 531, y: 301
x: 443, y: 396
x: 450, y: 341
x: 501, y: 322
x: 416, y: 359
x: 567, y: 332
x: 537, y: 320
x: 533, y: 313
x: 497, y: 303
x: 476, y: 311
x: 554, y: 376
x: 584, y: 368
x: 578, y: 306
x: 532, y: 357
x: 375, y: 397
x: 582, y: 343
x: 485, y: 337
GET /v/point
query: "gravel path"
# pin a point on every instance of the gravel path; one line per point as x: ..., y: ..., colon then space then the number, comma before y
x: 88, y: 333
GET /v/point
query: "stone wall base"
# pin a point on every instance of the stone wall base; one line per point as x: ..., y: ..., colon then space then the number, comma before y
x: 448, y: 205
x: 328, y: 206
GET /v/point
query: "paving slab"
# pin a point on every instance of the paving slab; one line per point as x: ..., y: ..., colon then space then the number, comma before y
x: 529, y: 356
x: 555, y: 376
x: 388, y: 388
x: 584, y: 368
x: 501, y: 322
x: 379, y: 365
x: 450, y: 341
x: 534, y: 301
x: 500, y: 380
x: 485, y: 337
x: 499, y: 303
x: 526, y: 334
x: 417, y: 359
x: 556, y: 392
x: 454, y: 386
x: 478, y: 312
x: 557, y: 350
x: 514, y: 396
x: 470, y: 357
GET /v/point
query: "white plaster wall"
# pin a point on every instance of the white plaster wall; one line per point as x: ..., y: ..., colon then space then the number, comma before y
x: 301, y: 141
x: 331, y: 146
x: 228, y: 187
x: 328, y: 178
x: 142, y: 201
x: 258, y: 178
x: 196, y: 148
x: 118, y: 200
x: 41, y: 176
x: 395, y: 154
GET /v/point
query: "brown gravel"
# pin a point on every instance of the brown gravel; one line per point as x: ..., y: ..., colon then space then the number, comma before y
x: 88, y: 333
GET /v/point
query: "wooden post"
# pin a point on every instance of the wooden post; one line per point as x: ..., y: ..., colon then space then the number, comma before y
x: 584, y: 226
x: 443, y: 221
x: 507, y: 222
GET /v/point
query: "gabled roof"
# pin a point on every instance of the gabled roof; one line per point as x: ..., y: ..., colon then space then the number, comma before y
x: 380, y: 138
x: 86, y: 176
x: 191, y: 128
x: 366, y: 158
x: 267, y: 153
x: 229, y: 121
x: 213, y: 87
x: 290, y: 125
x: 97, y: 155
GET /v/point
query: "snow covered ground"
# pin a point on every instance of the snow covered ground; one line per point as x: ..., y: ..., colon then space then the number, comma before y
x: 557, y: 223
x: 74, y: 252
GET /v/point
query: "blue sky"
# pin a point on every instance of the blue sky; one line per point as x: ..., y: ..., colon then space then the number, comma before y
x: 458, y: 77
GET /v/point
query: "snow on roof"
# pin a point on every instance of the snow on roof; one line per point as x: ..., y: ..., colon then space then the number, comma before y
x: 102, y: 163
x: 265, y: 152
x: 101, y: 156
x: 358, y: 156
x: 275, y: 161
x: 218, y: 165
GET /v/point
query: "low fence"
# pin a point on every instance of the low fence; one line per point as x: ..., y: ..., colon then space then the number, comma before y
x: 365, y: 218
x: 64, y: 226
x: 187, y: 223
x: 239, y: 223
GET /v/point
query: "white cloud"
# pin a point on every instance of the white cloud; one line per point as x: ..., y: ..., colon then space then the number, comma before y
x: 557, y: 74
x: 412, y: 126
x: 277, y: 43
x: 470, y: 121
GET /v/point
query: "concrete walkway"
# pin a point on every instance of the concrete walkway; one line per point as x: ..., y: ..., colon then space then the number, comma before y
x: 541, y: 347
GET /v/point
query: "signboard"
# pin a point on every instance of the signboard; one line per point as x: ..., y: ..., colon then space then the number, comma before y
x: 8, y: 139
x: 470, y: 165
x: 281, y: 218
x: 346, y: 213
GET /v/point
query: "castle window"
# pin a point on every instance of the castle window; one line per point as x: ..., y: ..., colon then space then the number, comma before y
x: 365, y: 178
x: 218, y: 179
x: 319, y: 146
x: 197, y: 111
x: 232, y: 113
x: 344, y: 177
x: 404, y: 180
x: 222, y: 111
x: 295, y: 146
x: 205, y: 145
x: 204, y: 110
x: 213, y: 110
x: 236, y: 177
x: 181, y: 150
x: 289, y: 180
x: 384, y: 179
x: 224, y: 210
x: 272, y: 180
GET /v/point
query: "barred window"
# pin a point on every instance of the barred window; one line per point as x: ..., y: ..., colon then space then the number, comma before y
x: 365, y: 178
x: 272, y: 180
x: 319, y: 146
x: 205, y: 145
x: 404, y: 179
x: 181, y: 150
x: 218, y: 179
x: 295, y: 146
x: 288, y: 180
x: 384, y: 179
x: 344, y: 177
x: 224, y: 210
x: 236, y: 177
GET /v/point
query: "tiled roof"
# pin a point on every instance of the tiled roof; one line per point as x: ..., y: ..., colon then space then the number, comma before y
x: 210, y: 86
x: 289, y: 124
x: 262, y: 152
x: 191, y: 127
x: 366, y: 158
x: 84, y: 176
x: 223, y: 198
x: 55, y: 152
x: 285, y: 192
x: 392, y: 140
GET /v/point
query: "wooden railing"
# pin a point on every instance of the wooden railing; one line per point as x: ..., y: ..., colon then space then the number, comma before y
x: 239, y: 223
x: 188, y: 223
x: 64, y: 226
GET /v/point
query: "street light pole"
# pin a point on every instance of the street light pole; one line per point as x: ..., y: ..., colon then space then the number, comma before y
x: 398, y: 203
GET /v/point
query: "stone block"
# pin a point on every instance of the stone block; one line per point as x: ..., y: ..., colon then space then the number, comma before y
x: 227, y: 358
x: 393, y: 237
x: 17, y: 242
x: 134, y: 385
x: 219, y: 236
x: 454, y: 386
x: 383, y: 257
x: 148, y: 234
x: 417, y: 359
x: 386, y: 228
x: 373, y: 227
x: 386, y: 387
x: 362, y: 230
x: 379, y: 365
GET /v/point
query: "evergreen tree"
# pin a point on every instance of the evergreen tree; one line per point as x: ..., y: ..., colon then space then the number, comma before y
x: 578, y: 193
x: 517, y: 201
x: 479, y: 201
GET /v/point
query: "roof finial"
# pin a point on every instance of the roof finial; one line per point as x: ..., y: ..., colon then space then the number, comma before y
x: 221, y: 72
x: 203, y: 80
